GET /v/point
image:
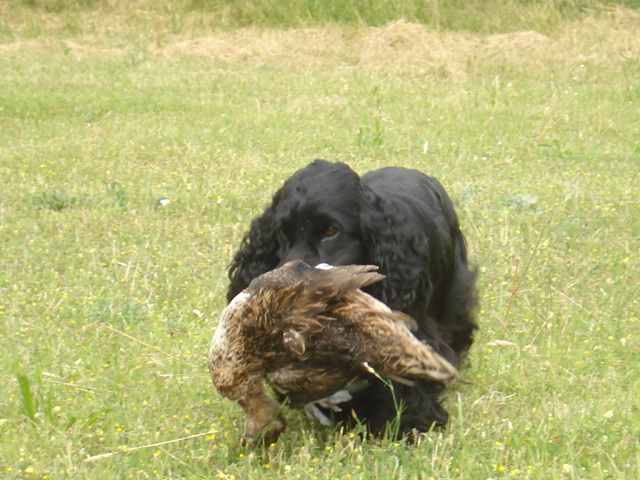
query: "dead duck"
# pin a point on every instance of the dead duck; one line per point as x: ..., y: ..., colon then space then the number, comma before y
x: 311, y: 332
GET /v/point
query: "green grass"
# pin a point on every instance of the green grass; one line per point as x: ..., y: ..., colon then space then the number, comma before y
x: 109, y: 297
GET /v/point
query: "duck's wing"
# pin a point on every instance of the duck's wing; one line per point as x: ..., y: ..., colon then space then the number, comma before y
x: 286, y: 291
x: 384, y: 340
x: 299, y: 294
x: 312, y: 298
x: 411, y: 360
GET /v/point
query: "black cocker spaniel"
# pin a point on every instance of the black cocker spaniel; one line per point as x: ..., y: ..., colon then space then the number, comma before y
x: 396, y: 218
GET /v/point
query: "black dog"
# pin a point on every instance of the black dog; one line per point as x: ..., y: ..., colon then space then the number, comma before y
x: 404, y: 222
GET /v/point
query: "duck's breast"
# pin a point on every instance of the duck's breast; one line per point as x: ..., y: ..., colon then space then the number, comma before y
x: 220, y: 338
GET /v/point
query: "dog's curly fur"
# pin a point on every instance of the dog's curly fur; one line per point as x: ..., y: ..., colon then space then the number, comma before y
x: 396, y: 218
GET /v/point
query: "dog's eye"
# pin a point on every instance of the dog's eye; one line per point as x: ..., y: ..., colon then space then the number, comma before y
x: 330, y: 232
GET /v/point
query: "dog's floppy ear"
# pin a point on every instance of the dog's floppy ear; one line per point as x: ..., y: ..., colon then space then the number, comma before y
x: 400, y: 249
x: 258, y: 252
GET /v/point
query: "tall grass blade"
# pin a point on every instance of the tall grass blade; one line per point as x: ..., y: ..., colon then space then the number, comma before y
x: 27, y: 399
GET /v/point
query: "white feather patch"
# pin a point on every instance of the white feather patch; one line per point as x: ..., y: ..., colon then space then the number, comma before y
x: 324, y: 266
x: 219, y: 337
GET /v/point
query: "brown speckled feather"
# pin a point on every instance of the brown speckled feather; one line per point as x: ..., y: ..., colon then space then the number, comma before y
x: 309, y: 332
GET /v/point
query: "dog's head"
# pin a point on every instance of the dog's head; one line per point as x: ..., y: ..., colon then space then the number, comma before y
x: 317, y: 216
x: 324, y: 213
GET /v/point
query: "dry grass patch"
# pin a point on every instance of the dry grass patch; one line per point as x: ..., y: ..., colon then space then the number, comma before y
x: 400, y: 43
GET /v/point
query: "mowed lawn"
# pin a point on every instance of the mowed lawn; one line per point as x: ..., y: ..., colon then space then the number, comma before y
x: 137, y: 145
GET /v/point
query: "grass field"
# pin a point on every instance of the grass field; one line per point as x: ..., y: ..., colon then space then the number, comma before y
x: 138, y: 139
